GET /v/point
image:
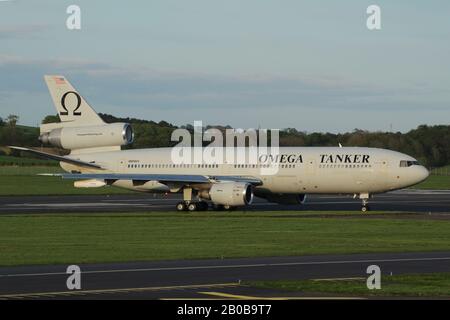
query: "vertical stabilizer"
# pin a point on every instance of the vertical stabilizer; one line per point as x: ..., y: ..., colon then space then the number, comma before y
x: 69, y: 104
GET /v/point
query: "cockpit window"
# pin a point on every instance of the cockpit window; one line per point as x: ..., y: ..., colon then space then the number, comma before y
x: 407, y: 163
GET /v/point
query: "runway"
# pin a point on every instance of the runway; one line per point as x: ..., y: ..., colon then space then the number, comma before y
x: 404, y: 201
x: 204, y: 278
x: 212, y: 279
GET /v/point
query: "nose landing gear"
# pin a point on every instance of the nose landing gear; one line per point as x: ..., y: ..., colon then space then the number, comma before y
x: 365, y: 202
x: 365, y: 205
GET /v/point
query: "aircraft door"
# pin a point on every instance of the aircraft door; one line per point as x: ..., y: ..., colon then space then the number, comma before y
x: 310, y: 181
x: 122, y: 165
x: 379, y: 174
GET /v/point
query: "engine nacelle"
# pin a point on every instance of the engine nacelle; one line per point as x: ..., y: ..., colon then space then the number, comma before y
x: 108, y: 135
x: 284, y: 198
x: 90, y: 183
x: 231, y: 193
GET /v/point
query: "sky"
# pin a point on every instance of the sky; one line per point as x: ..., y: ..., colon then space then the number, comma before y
x: 309, y: 65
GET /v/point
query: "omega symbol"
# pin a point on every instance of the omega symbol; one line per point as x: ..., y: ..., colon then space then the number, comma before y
x: 63, y: 104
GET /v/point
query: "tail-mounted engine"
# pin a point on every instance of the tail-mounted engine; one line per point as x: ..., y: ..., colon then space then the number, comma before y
x: 108, y: 135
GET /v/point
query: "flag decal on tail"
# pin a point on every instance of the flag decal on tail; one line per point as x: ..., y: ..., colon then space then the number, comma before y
x: 59, y: 80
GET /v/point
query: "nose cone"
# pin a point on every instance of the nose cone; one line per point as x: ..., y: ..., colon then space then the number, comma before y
x: 421, y: 173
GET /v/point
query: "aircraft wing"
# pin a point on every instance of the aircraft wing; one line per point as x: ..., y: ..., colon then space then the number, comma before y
x: 248, y: 179
x: 137, y: 177
x: 59, y: 158
x: 183, y: 178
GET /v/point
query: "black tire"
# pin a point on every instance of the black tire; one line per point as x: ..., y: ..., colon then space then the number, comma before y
x: 192, y: 207
x: 181, y: 206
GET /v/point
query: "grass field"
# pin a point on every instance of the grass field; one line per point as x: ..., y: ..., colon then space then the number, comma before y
x: 20, y: 161
x: 445, y: 170
x: 434, y: 182
x: 18, y: 180
x: 414, y: 285
x: 74, y: 238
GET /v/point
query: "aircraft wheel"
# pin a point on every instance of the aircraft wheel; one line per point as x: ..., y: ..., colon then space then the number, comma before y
x: 192, y: 207
x: 181, y: 206
x: 365, y: 208
x: 228, y: 207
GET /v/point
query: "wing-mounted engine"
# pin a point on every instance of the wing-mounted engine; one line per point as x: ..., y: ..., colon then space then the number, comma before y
x: 85, y: 137
x: 230, y: 193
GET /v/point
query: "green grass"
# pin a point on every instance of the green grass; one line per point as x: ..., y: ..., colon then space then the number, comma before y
x: 435, y: 182
x: 438, y: 180
x: 413, y: 285
x: 21, y: 161
x: 27, y: 170
x: 441, y: 170
x: 18, y: 180
x: 88, y: 238
x: 28, y: 129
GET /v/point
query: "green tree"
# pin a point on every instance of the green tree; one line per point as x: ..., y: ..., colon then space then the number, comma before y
x: 12, y: 120
x: 51, y: 119
x: 9, y: 131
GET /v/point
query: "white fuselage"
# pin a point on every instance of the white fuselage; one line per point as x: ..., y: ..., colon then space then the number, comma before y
x: 296, y: 170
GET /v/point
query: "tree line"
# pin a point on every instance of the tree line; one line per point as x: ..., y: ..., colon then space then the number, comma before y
x: 429, y: 144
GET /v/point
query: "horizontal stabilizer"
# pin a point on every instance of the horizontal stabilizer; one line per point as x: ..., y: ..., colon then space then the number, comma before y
x: 58, y: 158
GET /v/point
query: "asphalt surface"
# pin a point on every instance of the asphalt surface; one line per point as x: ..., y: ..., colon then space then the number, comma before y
x: 405, y: 201
x: 204, y: 279
x: 211, y: 279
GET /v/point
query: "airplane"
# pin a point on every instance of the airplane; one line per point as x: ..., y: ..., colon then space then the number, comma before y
x: 96, y: 160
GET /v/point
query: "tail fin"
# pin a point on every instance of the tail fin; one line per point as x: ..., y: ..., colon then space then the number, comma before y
x: 70, y: 105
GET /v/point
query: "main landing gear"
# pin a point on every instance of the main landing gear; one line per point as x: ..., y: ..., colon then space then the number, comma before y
x: 192, y: 206
x: 188, y: 204
x: 201, y: 206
